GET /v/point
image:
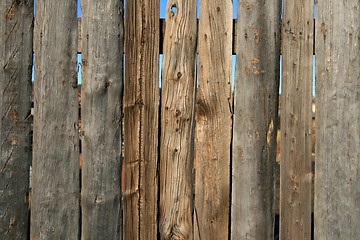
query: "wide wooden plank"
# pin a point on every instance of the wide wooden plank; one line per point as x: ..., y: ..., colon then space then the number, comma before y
x: 213, y: 121
x: 255, y: 119
x: 15, y: 90
x: 177, y: 121
x: 337, y: 178
x: 55, y: 176
x: 101, y: 108
x: 141, y: 119
x: 296, y: 116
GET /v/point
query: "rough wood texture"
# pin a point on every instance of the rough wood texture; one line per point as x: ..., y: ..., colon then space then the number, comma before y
x: 141, y: 115
x: 101, y: 101
x: 15, y: 90
x: 296, y: 116
x: 337, y: 179
x: 213, y: 121
x: 55, y: 179
x: 177, y: 121
x: 255, y: 119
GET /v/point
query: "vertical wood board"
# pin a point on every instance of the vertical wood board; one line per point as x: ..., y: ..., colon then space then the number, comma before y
x: 296, y: 116
x: 55, y: 179
x: 16, y: 35
x: 141, y: 115
x: 101, y: 99
x: 177, y: 121
x: 213, y: 121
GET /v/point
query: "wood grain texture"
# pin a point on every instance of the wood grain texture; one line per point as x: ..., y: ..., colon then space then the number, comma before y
x: 101, y: 100
x: 337, y: 178
x: 141, y: 115
x: 55, y: 174
x: 177, y: 121
x: 296, y: 116
x: 16, y: 35
x: 213, y: 121
x: 255, y: 119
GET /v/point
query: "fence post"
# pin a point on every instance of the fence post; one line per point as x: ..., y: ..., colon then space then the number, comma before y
x: 337, y: 178
x: 141, y: 119
x: 16, y: 33
x: 55, y: 186
x: 296, y: 117
x: 101, y: 99
x: 255, y: 119
x: 177, y: 121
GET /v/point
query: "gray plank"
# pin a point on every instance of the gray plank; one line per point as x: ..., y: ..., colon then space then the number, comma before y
x: 141, y: 119
x: 55, y: 176
x: 337, y: 178
x: 213, y: 121
x: 102, y: 63
x: 296, y: 117
x: 15, y: 90
x: 177, y: 121
x: 255, y: 119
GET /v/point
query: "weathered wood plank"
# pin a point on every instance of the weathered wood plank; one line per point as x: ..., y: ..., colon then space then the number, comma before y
x: 296, y: 116
x: 101, y: 100
x: 213, y: 121
x: 55, y: 178
x: 337, y: 178
x: 141, y: 119
x: 16, y: 34
x: 177, y: 121
x: 255, y: 119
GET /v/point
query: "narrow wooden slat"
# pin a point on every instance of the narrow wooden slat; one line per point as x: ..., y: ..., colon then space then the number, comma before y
x: 55, y: 179
x: 296, y: 117
x: 177, y: 121
x: 101, y: 100
x: 337, y: 178
x: 255, y: 119
x: 15, y: 90
x: 213, y: 121
x: 141, y: 115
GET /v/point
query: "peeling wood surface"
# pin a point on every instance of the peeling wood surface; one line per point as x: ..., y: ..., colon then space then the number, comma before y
x: 213, y: 121
x: 255, y: 120
x: 16, y: 35
x: 55, y: 179
x: 296, y: 116
x: 177, y: 121
x: 141, y: 119
x: 337, y: 178
x: 102, y: 63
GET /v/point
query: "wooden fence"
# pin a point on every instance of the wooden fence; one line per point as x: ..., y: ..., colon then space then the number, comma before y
x: 198, y: 159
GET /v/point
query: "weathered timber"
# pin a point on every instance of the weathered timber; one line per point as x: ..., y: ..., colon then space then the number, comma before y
x: 296, y: 116
x: 337, y: 178
x: 255, y: 119
x: 55, y: 178
x: 213, y: 121
x: 177, y: 121
x: 141, y: 115
x: 101, y: 100
x: 16, y: 33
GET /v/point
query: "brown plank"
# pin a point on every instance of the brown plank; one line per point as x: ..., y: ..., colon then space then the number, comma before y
x: 141, y: 115
x: 337, y: 178
x: 55, y: 175
x: 101, y: 109
x: 16, y: 34
x: 296, y: 116
x: 213, y: 121
x: 177, y: 121
x: 255, y: 119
